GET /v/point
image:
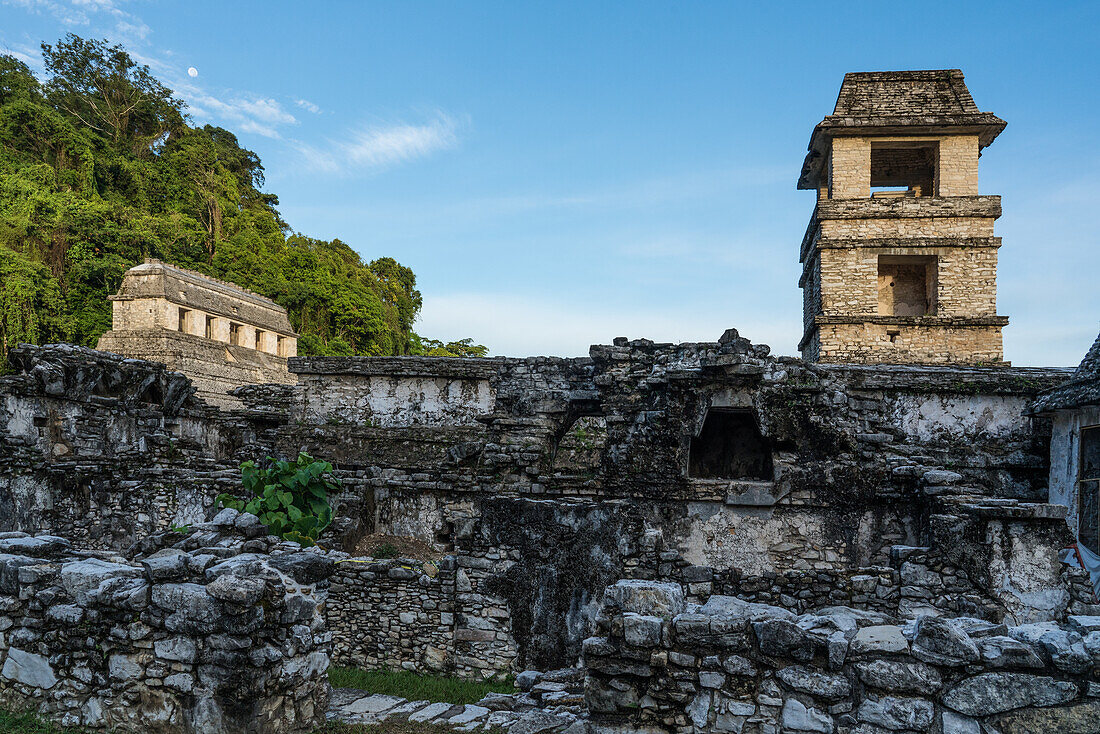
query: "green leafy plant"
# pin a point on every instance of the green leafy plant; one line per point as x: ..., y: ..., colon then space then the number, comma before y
x: 290, y: 497
x: 384, y: 550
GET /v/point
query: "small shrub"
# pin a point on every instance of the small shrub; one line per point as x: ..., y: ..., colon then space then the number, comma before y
x: 384, y: 550
x: 290, y: 497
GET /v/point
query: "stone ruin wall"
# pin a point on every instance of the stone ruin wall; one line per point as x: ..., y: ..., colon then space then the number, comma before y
x: 215, y: 630
x: 660, y: 663
x: 544, y: 480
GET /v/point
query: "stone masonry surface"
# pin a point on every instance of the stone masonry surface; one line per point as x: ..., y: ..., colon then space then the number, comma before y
x: 547, y: 479
x: 662, y: 664
x: 216, y: 629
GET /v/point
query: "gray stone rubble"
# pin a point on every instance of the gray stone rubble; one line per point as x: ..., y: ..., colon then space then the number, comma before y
x: 733, y: 666
x: 215, y: 629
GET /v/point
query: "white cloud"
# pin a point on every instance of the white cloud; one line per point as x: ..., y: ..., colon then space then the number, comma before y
x: 374, y: 147
x: 245, y: 113
x: 29, y: 55
x: 64, y: 12
x: 521, y: 325
x: 267, y: 110
x: 379, y: 146
x: 127, y: 26
x: 308, y: 106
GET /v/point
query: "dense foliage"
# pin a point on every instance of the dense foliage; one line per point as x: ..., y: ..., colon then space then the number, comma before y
x: 290, y: 497
x: 100, y: 168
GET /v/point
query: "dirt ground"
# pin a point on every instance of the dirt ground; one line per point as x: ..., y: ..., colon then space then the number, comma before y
x: 403, y: 547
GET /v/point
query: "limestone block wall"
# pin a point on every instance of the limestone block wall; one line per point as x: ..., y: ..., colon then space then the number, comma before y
x: 214, y: 368
x: 662, y: 664
x: 936, y: 342
x: 850, y: 172
x: 403, y: 614
x: 391, y: 401
x: 957, y: 170
x: 195, y: 636
x: 966, y: 279
x: 103, y: 450
x: 927, y: 226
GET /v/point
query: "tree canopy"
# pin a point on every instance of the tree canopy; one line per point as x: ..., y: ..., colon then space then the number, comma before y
x: 100, y: 168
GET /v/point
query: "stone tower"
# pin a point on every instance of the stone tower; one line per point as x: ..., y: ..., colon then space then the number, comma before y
x: 899, y: 261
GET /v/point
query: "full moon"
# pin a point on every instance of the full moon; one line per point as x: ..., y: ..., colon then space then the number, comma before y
x: 192, y: 71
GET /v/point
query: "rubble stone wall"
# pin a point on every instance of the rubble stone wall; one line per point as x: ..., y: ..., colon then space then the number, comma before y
x: 403, y: 614
x: 662, y: 664
x: 192, y: 632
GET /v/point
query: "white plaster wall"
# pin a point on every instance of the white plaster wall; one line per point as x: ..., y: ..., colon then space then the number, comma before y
x: 19, y: 418
x: 392, y: 402
x: 936, y: 417
x: 1026, y: 575
x: 754, y: 540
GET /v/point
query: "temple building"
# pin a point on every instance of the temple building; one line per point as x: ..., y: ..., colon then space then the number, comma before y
x: 220, y: 335
x: 899, y: 258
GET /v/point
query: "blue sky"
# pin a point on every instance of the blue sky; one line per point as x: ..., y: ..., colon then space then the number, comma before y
x: 558, y: 174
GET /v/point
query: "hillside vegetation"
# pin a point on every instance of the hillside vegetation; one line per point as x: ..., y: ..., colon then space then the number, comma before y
x: 100, y: 168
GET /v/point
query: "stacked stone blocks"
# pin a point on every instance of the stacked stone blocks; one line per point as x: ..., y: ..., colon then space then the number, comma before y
x: 203, y: 631
x: 662, y: 664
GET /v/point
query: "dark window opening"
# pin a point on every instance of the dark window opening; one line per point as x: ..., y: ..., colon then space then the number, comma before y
x: 1088, y: 490
x: 235, y: 334
x: 209, y: 327
x: 152, y: 394
x: 181, y: 325
x: 259, y: 340
x: 903, y: 170
x: 445, y: 536
x: 730, y: 446
x: 906, y: 285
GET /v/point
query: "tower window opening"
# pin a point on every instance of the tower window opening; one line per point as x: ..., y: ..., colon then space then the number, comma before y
x: 906, y: 285
x: 730, y: 446
x: 903, y: 170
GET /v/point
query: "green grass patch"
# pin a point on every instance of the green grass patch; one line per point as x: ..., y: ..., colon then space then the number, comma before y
x: 30, y: 723
x: 418, y: 687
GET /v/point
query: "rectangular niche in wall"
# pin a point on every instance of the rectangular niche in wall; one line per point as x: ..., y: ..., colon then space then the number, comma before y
x: 906, y: 285
x: 730, y: 446
x: 1088, y: 490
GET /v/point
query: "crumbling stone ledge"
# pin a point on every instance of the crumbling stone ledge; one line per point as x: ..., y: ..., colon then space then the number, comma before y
x: 216, y: 629
x: 661, y: 664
